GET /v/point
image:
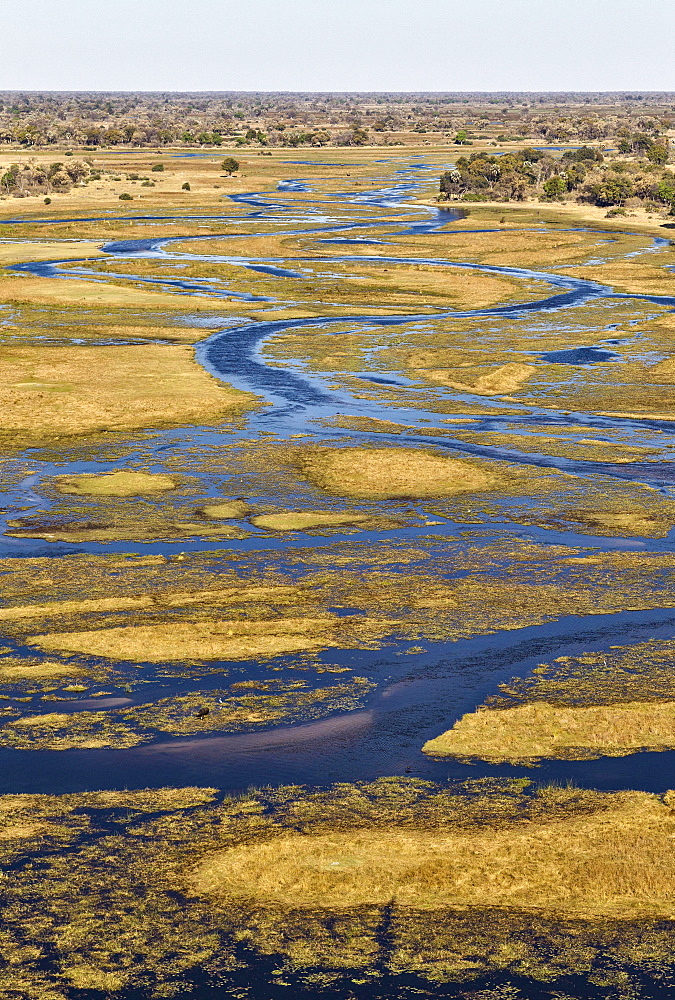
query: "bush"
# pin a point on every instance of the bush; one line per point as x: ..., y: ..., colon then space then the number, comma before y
x: 230, y: 165
x: 158, y: 168
x: 48, y: 201
x: 125, y: 197
x: 185, y: 187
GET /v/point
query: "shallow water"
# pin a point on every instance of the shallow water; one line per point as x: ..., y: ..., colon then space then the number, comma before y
x: 386, y: 737
x: 420, y: 690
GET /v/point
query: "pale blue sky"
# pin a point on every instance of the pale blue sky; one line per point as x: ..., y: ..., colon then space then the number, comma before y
x: 337, y: 44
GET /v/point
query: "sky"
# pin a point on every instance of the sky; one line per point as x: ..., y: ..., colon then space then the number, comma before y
x: 328, y: 45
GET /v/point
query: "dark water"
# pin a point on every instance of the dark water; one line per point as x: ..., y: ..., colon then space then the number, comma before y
x: 420, y: 694
x: 417, y: 699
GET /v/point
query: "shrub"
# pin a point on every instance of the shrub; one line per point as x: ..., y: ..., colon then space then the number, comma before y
x: 48, y: 201
x: 186, y: 186
x: 125, y: 197
x: 158, y: 168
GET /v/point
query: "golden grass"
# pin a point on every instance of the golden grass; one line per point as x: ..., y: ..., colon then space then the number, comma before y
x: 14, y: 253
x: 617, y: 862
x: 114, y: 484
x: 51, y: 391
x: 390, y: 473
x: 400, y: 587
x: 16, y: 669
x: 305, y: 519
x: 505, y: 379
x: 243, y: 594
x: 640, y: 672
x: 581, y: 880
x: 647, y: 277
x: 537, y: 730
x: 22, y: 289
x: 222, y: 640
x: 122, y: 529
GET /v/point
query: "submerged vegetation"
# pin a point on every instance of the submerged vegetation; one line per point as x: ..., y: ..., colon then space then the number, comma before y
x: 300, y: 466
x: 170, y: 883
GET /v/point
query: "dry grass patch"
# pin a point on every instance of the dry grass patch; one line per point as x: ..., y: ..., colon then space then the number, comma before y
x: 616, y: 862
x: 155, y: 894
x: 305, y: 519
x: 21, y: 288
x: 223, y: 640
x: 14, y: 253
x: 51, y: 391
x: 225, y: 509
x: 528, y: 733
x: 505, y: 379
x: 115, y: 484
x: 391, y: 473
x: 14, y: 669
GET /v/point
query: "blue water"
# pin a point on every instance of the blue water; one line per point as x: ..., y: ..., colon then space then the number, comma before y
x: 417, y: 695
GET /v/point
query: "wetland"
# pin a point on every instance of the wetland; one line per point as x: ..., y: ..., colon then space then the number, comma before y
x: 337, y: 586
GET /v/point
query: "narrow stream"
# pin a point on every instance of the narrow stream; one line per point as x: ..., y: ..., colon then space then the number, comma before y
x: 418, y: 695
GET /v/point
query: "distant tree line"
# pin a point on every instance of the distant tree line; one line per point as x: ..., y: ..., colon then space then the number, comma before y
x: 633, y: 122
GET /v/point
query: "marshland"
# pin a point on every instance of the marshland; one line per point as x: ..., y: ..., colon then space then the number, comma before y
x: 338, y: 550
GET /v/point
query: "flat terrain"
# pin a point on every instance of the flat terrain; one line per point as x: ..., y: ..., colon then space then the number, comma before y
x: 330, y: 511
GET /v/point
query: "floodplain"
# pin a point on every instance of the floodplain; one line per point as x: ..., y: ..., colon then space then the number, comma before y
x: 338, y: 585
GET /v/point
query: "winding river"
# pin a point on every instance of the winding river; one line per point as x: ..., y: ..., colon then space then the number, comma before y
x: 417, y: 696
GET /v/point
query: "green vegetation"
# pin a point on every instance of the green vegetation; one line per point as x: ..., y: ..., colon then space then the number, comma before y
x: 584, y: 174
x: 230, y: 165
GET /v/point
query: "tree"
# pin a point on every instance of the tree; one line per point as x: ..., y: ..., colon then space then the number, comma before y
x: 665, y: 191
x: 657, y: 154
x: 230, y: 165
x: 613, y: 191
x: 555, y: 186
